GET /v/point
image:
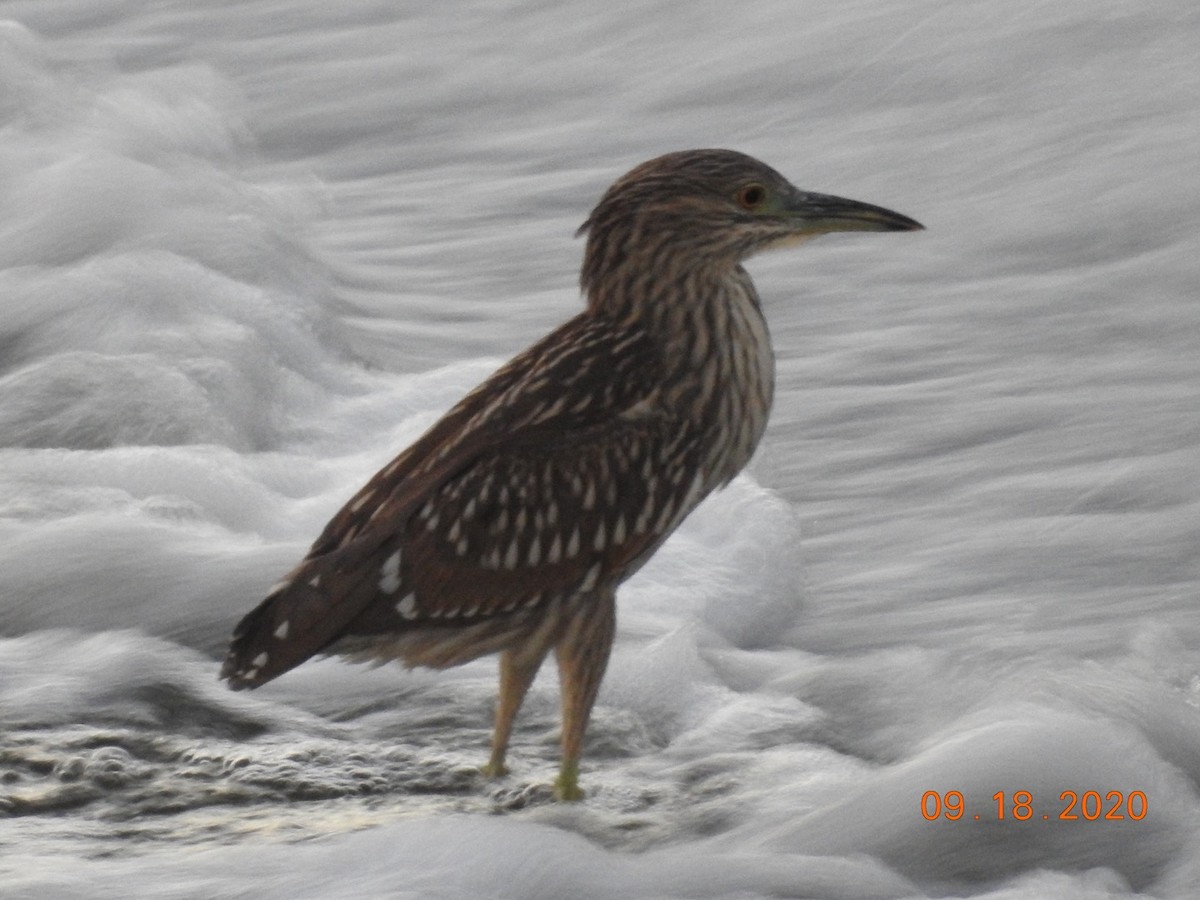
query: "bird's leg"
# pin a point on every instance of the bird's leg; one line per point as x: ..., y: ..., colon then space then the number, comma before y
x: 517, y: 671
x: 582, y: 654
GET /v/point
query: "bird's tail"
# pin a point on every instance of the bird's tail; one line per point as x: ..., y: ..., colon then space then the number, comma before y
x: 300, y: 617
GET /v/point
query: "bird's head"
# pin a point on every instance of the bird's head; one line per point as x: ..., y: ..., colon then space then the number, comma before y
x: 712, y: 207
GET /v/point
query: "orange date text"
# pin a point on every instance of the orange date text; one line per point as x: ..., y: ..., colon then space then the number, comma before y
x: 1087, y: 806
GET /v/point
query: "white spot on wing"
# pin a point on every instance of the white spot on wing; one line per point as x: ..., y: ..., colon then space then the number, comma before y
x: 282, y: 631
x: 407, y: 607
x: 573, y: 544
x: 389, y: 581
x: 260, y: 660
x: 640, y: 410
x: 590, y: 579
x: 618, y: 533
x: 361, y: 501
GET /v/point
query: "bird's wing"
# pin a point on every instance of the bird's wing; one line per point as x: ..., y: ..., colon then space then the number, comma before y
x: 541, y: 482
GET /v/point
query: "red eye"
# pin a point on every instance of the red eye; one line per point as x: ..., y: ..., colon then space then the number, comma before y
x: 751, y: 196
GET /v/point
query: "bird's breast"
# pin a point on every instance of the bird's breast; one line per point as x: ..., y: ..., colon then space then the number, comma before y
x: 743, y: 369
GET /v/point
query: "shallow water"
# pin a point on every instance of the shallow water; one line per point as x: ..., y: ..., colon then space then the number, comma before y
x: 248, y: 250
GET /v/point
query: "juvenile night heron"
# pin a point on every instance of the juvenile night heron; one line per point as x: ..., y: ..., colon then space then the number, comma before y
x: 507, y: 527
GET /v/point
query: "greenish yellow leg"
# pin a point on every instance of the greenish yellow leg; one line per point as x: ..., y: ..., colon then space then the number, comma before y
x: 516, y: 675
x: 566, y: 786
x: 582, y: 654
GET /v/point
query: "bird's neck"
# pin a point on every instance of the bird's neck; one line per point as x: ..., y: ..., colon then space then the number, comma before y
x: 716, y: 350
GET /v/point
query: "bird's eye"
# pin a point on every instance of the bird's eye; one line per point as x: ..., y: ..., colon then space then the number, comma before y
x: 751, y: 196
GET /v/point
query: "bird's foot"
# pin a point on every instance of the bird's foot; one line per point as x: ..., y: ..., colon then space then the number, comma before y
x: 494, y: 768
x: 566, y: 786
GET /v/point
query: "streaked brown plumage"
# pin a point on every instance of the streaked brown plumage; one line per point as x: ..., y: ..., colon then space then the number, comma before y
x: 507, y: 527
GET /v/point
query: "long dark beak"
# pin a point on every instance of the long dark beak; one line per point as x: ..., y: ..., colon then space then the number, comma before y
x: 822, y: 213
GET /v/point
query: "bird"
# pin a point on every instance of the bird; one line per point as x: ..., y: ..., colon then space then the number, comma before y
x: 507, y: 526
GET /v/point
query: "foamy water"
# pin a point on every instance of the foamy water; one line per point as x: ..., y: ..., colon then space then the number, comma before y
x: 248, y: 251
